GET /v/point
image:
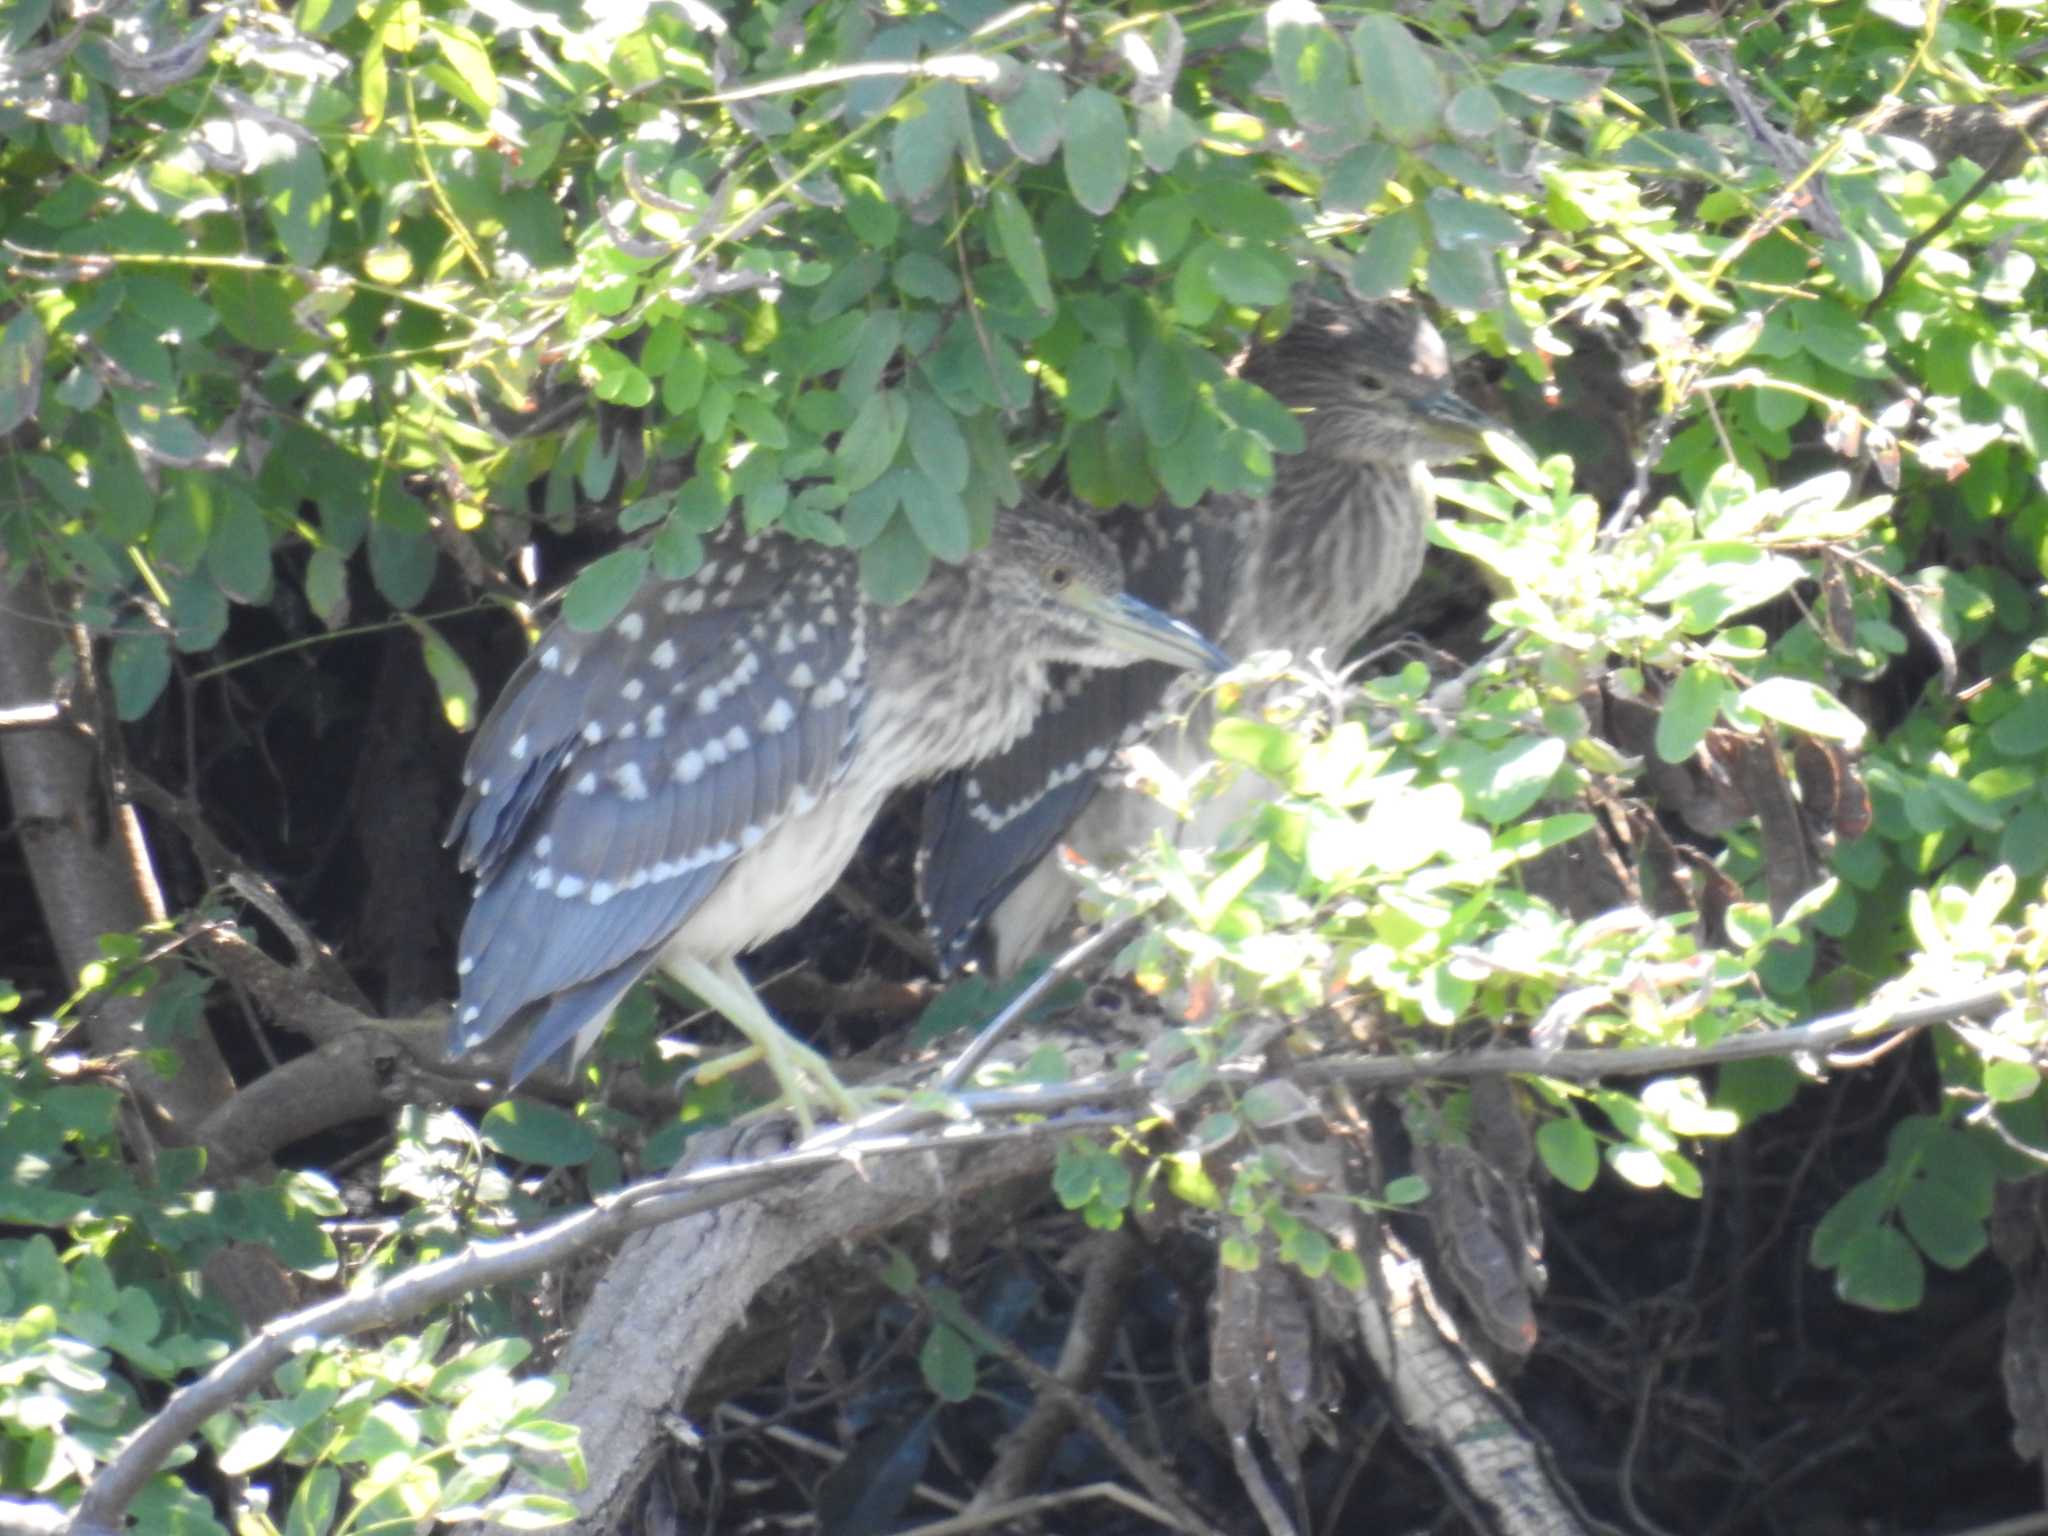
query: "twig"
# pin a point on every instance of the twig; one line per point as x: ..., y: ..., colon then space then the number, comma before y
x: 1153, y: 1479
x: 24, y: 717
x: 1018, y: 1509
x: 1025, y: 1451
x: 978, y: 1049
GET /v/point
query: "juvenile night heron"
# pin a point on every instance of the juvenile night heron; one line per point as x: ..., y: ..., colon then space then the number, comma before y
x: 689, y: 780
x: 1319, y: 560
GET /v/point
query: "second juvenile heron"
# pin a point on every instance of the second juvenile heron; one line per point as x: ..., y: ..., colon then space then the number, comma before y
x: 1318, y: 561
x: 678, y: 786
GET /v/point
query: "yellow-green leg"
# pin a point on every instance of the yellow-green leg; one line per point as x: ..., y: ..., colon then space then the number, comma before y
x: 804, y: 1076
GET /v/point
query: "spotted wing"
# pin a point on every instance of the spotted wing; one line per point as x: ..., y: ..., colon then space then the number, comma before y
x: 622, y: 771
x: 987, y: 827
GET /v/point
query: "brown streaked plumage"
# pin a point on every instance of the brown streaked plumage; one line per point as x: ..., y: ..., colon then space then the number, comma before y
x: 1319, y: 560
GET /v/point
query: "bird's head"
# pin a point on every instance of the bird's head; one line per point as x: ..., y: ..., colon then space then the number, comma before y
x: 1060, y: 572
x: 1372, y: 383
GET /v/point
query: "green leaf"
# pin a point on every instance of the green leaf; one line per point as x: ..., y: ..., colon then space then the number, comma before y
x: 1166, y: 390
x: 472, y: 66
x: 1707, y: 583
x: 924, y: 276
x: 532, y: 1132
x: 1552, y: 82
x: 1500, y: 785
x: 1803, y: 706
x: 138, y: 666
x: 297, y: 201
x: 451, y: 675
x: 1386, y: 262
x: 923, y: 145
x: 1276, y: 1102
x: 1403, y: 91
x: 602, y: 589
x: 1357, y: 179
x: 1017, y: 238
x: 1034, y: 120
x: 1165, y: 133
x: 1309, y: 62
x: 529, y: 1511
x: 2023, y: 731
x: 1098, y: 149
x: 868, y: 447
x: 314, y: 1505
x: 1753, y: 1089
x: 938, y: 516
x: 1456, y: 221
x: 327, y: 587
x: 238, y: 553
x: 1880, y: 1270
x: 1570, y: 1151
x: 1947, y: 1232
x: 1690, y: 710
x: 1474, y: 112
x: 937, y: 444
x: 1249, y: 275
x: 22, y: 345
x: 257, y: 1445
x: 895, y: 564
x: 401, y: 563
x: 948, y: 1363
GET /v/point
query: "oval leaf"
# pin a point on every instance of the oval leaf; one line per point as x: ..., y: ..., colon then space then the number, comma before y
x: 1803, y: 706
x: 606, y: 585
x: 1098, y: 152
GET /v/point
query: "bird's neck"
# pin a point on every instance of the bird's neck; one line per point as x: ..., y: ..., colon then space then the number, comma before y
x: 965, y: 713
x: 1347, y: 545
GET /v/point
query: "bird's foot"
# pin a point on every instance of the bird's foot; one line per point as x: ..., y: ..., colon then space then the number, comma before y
x: 809, y: 1088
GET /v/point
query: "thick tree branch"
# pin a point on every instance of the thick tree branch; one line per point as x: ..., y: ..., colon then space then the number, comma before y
x: 87, y: 859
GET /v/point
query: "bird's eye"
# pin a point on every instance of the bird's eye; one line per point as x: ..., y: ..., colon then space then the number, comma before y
x: 1370, y: 383
x: 1059, y: 578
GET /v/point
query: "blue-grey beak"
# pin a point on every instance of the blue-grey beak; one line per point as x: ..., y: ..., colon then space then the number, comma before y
x: 1144, y: 631
x: 1454, y: 420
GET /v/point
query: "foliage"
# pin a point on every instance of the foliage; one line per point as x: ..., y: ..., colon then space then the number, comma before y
x: 303, y: 314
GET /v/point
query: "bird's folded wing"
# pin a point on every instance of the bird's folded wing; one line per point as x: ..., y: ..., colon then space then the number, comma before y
x: 624, y: 770
x: 986, y: 827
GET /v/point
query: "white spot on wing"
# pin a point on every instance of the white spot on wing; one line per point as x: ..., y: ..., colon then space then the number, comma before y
x: 777, y: 719
x: 689, y: 767
x: 569, y: 887
x: 663, y: 655
x: 630, y: 626
x: 627, y: 776
x: 632, y: 690
x: 551, y: 659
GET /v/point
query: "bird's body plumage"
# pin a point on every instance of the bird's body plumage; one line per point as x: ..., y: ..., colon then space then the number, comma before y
x: 690, y: 779
x: 1318, y: 561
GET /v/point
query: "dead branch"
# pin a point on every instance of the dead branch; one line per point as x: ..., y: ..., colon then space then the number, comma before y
x: 1110, y: 1267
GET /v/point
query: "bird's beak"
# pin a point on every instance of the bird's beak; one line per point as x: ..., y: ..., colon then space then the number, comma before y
x: 1454, y: 419
x: 1145, y: 632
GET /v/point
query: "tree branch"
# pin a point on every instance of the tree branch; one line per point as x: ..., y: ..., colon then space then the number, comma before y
x: 665, y: 1303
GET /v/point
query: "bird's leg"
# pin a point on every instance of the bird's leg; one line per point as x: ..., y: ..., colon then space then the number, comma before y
x: 804, y: 1076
